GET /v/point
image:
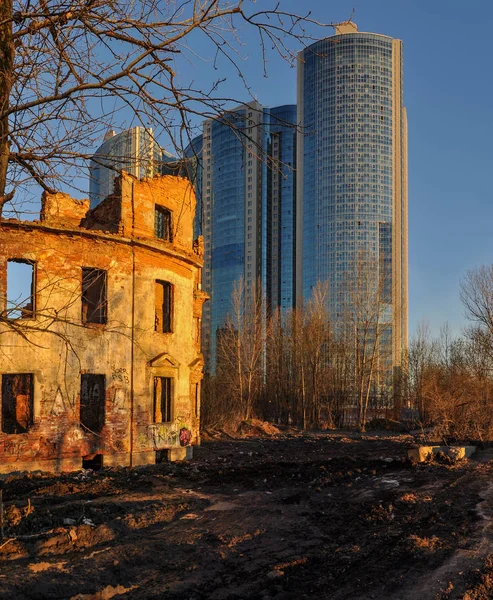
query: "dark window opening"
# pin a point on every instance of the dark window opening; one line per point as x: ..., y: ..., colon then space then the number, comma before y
x: 93, y: 295
x: 92, y: 461
x: 162, y: 399
x: 17, y: 402
x: 162, y: 224
x: 92, y: 402
x: 20, y: 289
x: 161, y: 456
x: 164, y: 307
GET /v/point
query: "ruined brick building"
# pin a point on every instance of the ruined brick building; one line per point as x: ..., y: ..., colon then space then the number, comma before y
x: 101, y: 364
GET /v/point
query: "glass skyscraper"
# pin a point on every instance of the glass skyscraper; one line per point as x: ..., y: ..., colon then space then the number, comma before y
x: 134, y: 151
x: 352, y: 177
x: 281, y: 208
x: 245, y: 187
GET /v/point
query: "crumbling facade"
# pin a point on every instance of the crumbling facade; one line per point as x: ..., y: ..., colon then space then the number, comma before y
x: 101, y: 363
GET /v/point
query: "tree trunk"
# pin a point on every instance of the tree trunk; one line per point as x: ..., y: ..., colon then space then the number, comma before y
x: 239, y: 371
x: 7, y: 51
x: 248, y: 413
x: 303, y: 398
x: 361, y: 417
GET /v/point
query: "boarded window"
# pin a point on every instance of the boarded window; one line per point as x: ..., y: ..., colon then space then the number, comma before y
x: 17, y: 402
x: 92, y: 401
x: 20, y: 289
x: 93, y: 295
x: 162, y: 224
x: 164, y: 307
x: 162, y: 399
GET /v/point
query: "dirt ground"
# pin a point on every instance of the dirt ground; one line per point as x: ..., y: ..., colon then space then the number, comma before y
x: 329, y: 515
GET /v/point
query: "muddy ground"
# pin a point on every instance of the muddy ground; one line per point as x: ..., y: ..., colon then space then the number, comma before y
x: 289, y: 517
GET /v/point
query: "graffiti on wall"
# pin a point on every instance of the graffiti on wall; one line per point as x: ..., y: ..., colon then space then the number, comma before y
x: 14, y: 447
x: 161, y: 435
x: 119, y: 399
x: 58, y: 407
x: 20, y: 448
x: 56, y: 403
x: 120, y: 375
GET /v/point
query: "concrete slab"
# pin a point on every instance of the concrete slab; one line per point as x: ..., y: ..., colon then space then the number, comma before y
x: 177, y: 454
x: 424, y: 453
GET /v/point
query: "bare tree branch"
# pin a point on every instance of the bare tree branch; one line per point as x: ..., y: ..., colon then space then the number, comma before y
x: 68, y: 69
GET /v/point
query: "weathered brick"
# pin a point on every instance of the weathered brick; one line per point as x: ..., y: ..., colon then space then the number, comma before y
x: 57, y: 347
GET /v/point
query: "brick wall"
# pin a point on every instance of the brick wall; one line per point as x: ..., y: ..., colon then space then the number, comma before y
x: 58, y: 347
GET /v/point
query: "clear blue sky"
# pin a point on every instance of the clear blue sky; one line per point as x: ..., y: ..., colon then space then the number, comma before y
x: 448, y: 90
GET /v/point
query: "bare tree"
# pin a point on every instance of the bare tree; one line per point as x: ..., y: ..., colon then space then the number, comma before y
x: 299, y: 367
x: 366, y: 322
x: 450, y: 383
x: 315, y: 344
x: 419, y: 359
x: 240, y: 349
x: 476, y: 293
x: 67, y: 67
x: 457, y: 389
x: 280, y: 391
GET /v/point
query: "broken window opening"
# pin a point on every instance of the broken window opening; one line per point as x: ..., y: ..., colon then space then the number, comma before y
x: 94, y: 299
x: 162, y: 399
x: 92, y: 461
x: 161, y: 456
x: 164, y: 307
x: 20, y: 289
x: 17, y: 402
x: 92, y: 401
x: 162, y: 224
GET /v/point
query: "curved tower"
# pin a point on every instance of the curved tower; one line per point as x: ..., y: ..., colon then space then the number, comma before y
x: 352, y: 179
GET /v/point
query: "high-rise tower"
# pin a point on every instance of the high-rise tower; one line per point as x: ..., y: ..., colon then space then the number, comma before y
x: 135, y: 151
x: 352, y: 178
x: 281, y: 208
x: 245, y: 187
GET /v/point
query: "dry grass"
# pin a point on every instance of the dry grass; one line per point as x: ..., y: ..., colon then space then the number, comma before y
x: 426, y: 545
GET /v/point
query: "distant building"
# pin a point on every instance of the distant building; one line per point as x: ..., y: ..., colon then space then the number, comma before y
x: 134, y: 151
x: 352, y: 178
x: 245, y: 186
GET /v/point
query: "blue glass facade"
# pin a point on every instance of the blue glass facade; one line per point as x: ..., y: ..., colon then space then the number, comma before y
x: 193, y: 154
x: 351, y: 197
x: 281, y: 208
x: 227, y: 245
x: 247, y: 209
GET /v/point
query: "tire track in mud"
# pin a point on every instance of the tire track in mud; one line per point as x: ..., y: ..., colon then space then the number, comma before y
x: 448, y: 581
